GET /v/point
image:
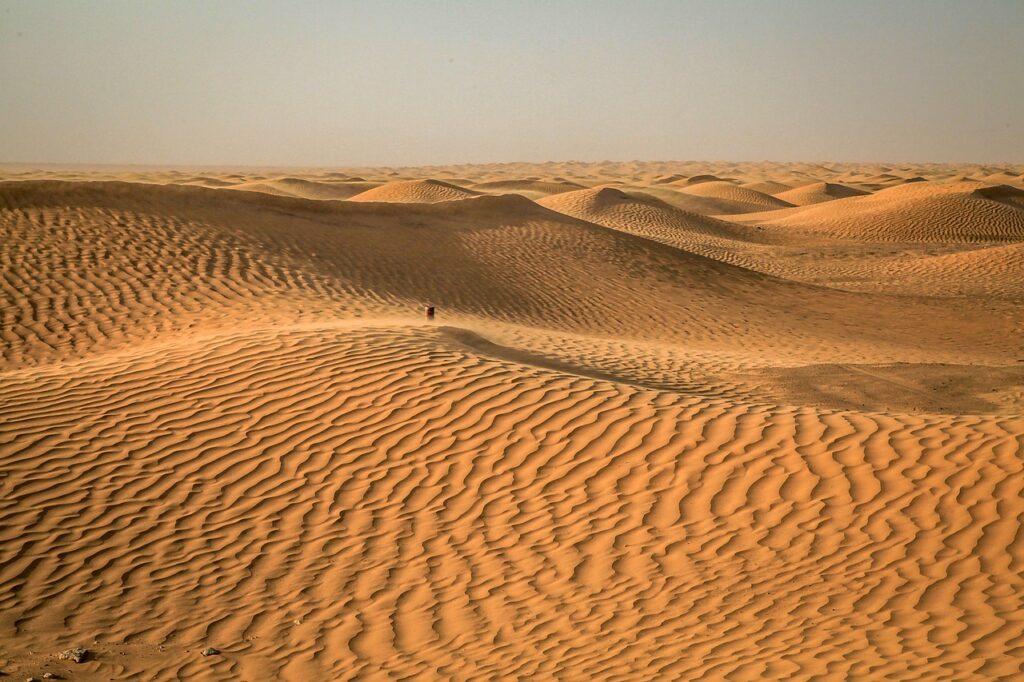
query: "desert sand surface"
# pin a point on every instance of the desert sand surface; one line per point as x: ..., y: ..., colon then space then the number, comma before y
x: 673, y: 420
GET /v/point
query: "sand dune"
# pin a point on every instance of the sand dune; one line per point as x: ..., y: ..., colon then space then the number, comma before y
x: 818, y: 192
x: 918, y: 212
x: 697, y: 179
x: 743, y: 198
x: 767, y: 187
x: 528, y: 188
x: 649, y: 217
x: 307, y: 189
x: 638, y: 442
x: 691, y: 203
x: 308, y: 256
x: 986, y: 272
x: 668, y: 179
x: 415, y: 191
x: 372, y: 500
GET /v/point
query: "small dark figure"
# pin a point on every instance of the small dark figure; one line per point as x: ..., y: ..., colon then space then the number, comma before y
x: 429, y: 311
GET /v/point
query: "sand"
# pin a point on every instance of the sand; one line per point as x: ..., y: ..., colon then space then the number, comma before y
x: 672, y: 421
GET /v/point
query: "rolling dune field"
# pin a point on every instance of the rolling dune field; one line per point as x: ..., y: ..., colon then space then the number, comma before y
x: 672, y: 420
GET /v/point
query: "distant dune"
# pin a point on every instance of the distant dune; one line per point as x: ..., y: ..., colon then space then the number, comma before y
x: 916, y: 212
x: 743, y: 197
x: 696, y: 179
x: 672, y: 420
x: 415, y: 191
x: 528, y: 188
x: 646, y: 216
x: 306, y: 189
x: 817, y: 192
x: 767, y: 187
x: 691, y: 203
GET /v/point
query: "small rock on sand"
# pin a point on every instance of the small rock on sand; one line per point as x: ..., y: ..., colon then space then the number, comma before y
x: 78, y: 654
x: 210, y: 651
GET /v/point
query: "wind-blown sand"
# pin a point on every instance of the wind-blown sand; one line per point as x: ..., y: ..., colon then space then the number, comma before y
x: 672, y: 421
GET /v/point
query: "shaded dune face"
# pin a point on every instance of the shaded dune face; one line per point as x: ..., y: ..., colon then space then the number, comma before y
x: 638, y: 442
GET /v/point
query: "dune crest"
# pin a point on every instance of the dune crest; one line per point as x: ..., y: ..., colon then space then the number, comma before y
x: 415, y: 191
x: 818, y: 192
x: 745, y: 199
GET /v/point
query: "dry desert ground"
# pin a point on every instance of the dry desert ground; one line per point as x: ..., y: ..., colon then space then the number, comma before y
x: 723, y: 421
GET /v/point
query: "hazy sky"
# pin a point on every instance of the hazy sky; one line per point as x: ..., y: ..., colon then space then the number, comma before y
x: 405, y: 83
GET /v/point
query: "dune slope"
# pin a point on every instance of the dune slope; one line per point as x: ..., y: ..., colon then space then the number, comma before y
x: 415, y: 191
x: 641, y: 214
x: 378, y: 502
x: 744, y: 198
x: 917, y: 212
x: 637, y: 442
x: 817, y: 192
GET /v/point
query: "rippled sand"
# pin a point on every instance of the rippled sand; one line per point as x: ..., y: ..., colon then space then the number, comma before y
x: 672, y: 421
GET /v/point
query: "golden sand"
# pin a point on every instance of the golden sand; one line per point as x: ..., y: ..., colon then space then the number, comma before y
x: 672, y: 421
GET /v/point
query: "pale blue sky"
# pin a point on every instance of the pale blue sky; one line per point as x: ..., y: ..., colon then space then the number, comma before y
x: 406, y: 83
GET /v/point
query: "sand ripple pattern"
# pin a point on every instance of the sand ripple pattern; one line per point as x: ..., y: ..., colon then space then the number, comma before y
x: 382, y: 503
x: 923, y: 212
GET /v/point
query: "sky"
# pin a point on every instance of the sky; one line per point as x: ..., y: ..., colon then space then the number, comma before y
x: 414, y: 83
